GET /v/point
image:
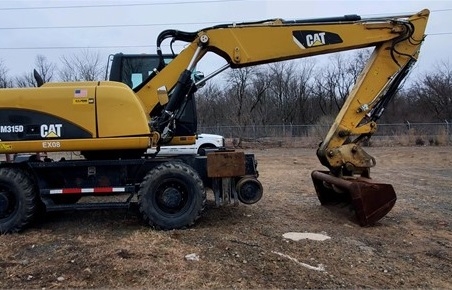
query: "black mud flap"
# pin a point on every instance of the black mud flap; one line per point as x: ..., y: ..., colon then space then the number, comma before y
x: 371, y: 201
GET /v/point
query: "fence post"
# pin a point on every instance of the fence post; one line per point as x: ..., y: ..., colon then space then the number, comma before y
x: 408, y: 125
x: 447, y: 132
x: 254, y: 132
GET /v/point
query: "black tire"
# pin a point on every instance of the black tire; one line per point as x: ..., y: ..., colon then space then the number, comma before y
x: 171, y: 196
x: 202, y: 149
x: 18, y: 200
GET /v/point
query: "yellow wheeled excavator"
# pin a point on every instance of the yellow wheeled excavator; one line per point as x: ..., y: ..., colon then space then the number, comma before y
x: 113, y: 125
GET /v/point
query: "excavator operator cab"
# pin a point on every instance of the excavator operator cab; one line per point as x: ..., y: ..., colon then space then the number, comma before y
x: 133, y: 69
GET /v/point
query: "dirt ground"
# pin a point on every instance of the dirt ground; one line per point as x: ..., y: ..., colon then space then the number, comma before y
x: 243, y: 247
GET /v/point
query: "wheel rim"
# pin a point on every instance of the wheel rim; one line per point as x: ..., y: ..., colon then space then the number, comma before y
x: 171, y: 197
x: 249, y: 190
x: 8, y: 202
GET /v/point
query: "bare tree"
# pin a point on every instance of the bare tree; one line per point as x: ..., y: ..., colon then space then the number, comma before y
x: 238, y: 100
x: 86, y: 66
x: 25, y: 80
x: 290, y: 89
x: 334, y: 83
x: 239, y: 104
x: 209, y: 103
x: 45, y: 69
x: 434, y: 93
x: 259, y: 97
x: 357, y: 62
x: 282, y: 73
x: 239, y: 80
x: 5, y: 81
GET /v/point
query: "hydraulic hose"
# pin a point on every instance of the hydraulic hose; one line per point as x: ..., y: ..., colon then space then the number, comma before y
x: 175, y: 35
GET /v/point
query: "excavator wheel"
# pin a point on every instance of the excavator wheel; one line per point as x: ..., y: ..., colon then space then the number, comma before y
x: 18, y: 200
x: 371, y: 201
x: 171, y: 196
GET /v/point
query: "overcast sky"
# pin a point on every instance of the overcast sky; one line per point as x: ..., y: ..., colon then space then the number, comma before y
x: 56, y: 28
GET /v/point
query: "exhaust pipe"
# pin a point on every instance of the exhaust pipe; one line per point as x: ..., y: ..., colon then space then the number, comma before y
x: 371, y: 201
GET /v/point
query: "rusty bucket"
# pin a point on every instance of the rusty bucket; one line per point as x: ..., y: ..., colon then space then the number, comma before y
x: 371, y: 201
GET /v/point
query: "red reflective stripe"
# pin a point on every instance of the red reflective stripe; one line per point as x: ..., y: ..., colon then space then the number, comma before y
x: 87, y: 190
x: 103, y: 189
x: 71, y: 190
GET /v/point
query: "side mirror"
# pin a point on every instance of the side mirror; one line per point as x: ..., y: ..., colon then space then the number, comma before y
x: 198, y: 76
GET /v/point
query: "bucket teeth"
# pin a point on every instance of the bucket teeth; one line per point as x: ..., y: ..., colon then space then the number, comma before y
x: 371, y: 201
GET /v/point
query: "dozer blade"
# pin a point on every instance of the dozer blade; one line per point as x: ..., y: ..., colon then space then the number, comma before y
x: 371, y: 201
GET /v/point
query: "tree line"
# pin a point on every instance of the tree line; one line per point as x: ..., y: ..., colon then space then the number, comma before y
x: 303, y: 93
x: 291, y: 92
x: 84, y: 66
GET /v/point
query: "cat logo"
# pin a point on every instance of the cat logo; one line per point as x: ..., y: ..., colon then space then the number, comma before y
x: 51, y: 131
x: 312, y: 38
x: 315, y: 39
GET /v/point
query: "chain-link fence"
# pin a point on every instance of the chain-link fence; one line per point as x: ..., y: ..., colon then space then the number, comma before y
x: 401, y: 133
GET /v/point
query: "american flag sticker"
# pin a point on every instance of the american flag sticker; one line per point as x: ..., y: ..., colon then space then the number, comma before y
x: 80, y: 93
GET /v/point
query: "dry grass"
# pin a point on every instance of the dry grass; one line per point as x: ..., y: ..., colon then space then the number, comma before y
x: 410, y: 139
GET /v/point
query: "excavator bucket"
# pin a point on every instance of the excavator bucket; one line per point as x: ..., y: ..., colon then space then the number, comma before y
x: 371, y: 201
